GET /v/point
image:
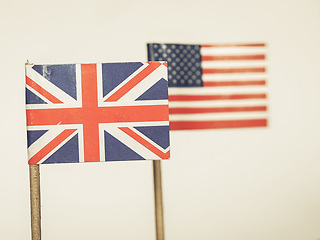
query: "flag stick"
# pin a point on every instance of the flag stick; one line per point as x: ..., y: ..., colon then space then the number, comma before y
x: 158, y: 199
x: 35, y: 202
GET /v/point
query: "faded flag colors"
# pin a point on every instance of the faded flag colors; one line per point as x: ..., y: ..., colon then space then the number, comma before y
x: 97, y: 112
x: 214, y: 85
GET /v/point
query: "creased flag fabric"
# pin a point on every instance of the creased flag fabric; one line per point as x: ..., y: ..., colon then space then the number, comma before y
x: 214, y: 85
x: 97, y: 112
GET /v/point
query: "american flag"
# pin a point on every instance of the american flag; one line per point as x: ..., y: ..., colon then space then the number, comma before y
x: 214, y: 85
x: 97, y: 112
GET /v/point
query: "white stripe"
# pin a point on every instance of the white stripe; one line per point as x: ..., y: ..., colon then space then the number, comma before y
x: 218, y: 116
x: 105, y: 104
x: 135, y: 124
x: 99, y: 84
x: 216, y: 90
x: 102, y: 143
x: 232, y: 50
x: 79, y: 86
x: 135, y: 103
x: 226, y: 103
x: 232, y: 77
x: 80, y: 142
x: 232, y: 64
x: 48, y: 86
x: 39, y: 127
x: 49, y: 106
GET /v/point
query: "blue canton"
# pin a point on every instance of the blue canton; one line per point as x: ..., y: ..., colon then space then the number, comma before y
x: 184, y: 63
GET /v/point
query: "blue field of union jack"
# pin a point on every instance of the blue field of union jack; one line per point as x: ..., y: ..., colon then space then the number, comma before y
x: 97, y: 112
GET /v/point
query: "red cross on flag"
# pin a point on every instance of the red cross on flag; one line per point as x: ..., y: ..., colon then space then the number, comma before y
x: 97, y: 112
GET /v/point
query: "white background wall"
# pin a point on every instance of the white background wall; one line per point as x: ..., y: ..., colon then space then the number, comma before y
x: 240, y: 184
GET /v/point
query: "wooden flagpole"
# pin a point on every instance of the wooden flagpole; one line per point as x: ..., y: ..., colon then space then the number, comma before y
x: 35, y: 202
x: 158, y: 199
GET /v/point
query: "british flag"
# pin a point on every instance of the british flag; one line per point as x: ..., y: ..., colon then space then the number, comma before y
x: 97, y: 112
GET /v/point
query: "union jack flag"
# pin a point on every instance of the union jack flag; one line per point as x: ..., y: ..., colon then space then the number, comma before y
x: 97, y: 112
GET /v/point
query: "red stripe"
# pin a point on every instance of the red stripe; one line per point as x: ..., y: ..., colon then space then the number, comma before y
x: 234, y: 70
x: 89, y: 85
x: 194, y: 125
x: 216, y: 110
x: 90, y: 113
x: 234, y: 57
x: 104, y: 115
x: 50, y: 146
x: 42, y: 91
x: 235, y: 45
x: 133, y: 82
x: 234, y: 83
x: 216, y: 97
x: 145, y: 143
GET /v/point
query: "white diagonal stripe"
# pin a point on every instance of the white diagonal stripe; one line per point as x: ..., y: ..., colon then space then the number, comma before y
x: 144, y: 85
x: 48, y: 86
x: 232, y: 50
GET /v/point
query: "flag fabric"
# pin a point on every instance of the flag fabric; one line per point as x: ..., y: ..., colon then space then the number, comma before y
x: 216, y: 85
x: 97, y: 112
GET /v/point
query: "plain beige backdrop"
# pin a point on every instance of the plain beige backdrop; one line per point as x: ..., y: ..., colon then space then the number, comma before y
x: 236, y: 184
